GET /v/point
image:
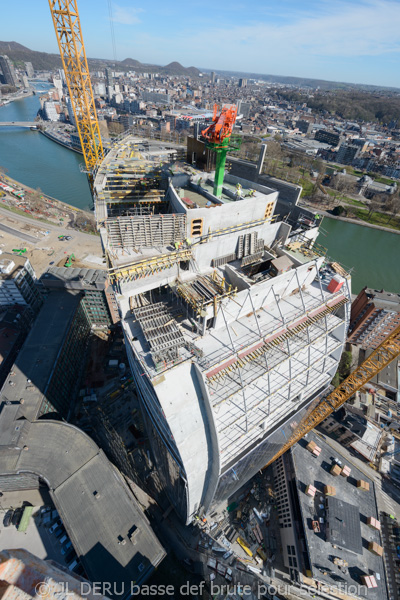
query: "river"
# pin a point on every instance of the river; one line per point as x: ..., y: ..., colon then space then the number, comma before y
x: 33, y: 159
x: 372, y: 255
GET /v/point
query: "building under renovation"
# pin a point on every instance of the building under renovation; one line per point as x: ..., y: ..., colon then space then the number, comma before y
x: 234, y: 320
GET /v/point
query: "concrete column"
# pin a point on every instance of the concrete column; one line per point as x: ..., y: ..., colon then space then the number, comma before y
x: 261, y: 158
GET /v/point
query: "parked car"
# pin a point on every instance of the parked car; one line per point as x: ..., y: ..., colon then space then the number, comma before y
x: 59, y: 532
x: 55, y: 526
x: 66, y: 548
x: 8, y: 518
x: 73, y: 565
x: 17, y: 516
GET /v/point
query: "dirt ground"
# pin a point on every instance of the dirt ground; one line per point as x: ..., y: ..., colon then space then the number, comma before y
x: 49, y: 250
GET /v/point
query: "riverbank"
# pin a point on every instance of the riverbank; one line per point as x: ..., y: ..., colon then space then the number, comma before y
x: 349, y: 220
x: 43, y: 208
x: 57, y: 140
x: 60, y: 204
x: 25, y: 94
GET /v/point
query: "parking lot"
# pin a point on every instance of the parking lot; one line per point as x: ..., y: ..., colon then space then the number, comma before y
x: 44, y: 537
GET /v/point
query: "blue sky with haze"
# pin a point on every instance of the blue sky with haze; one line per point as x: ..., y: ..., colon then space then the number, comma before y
x: 356, y: 40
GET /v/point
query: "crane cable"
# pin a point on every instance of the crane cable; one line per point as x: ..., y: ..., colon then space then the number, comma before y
x: 110, y: 15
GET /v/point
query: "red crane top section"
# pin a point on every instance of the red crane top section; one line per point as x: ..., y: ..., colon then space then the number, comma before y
x: 222, y: 125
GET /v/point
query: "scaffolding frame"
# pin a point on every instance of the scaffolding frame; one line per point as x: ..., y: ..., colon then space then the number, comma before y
x: 274, y: 340
x: 146, y: 231
x: 205, y: 290
x: 149, y: 266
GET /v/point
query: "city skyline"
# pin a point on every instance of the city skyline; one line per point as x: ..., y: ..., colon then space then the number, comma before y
x: 355, y: 42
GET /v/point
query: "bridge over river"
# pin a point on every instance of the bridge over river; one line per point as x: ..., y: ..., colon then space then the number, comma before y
x: 30, y: 124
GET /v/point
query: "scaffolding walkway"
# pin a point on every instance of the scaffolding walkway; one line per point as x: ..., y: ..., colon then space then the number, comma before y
x: 149, y: 266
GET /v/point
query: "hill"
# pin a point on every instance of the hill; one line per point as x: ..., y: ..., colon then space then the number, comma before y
x: 355, y: 105
x: 43, y: 61
x: 176, y: 68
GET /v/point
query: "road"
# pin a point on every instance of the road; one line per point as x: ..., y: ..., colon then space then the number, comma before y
x: 79, y: 235
x: 44, y: 250
x: 24, y: 236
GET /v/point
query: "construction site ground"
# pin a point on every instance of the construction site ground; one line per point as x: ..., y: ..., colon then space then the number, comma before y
x: 41, y: 207
x: 43, y: 245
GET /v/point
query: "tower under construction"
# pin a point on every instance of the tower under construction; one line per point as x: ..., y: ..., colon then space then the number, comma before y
x: 234, y: 320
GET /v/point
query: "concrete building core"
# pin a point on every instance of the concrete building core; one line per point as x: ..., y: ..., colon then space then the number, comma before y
x: 233, y: 327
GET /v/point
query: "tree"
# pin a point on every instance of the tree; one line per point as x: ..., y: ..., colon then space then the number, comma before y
x: 338, y: 210
x: 318, y: 165
x: 392, y: 206
x: 374, y: 206
x: 85, y: 221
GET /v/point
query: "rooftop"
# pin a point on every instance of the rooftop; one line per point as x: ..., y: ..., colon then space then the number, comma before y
x: 10, y: 265
x: 343, y: 525
x: 33, y: 366
x: 342, y: 518
x: 73, y: 278
x: 382, y: 299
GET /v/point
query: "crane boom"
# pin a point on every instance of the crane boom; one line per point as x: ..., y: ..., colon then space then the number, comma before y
x: 73, y: 56
x: 387, y: 351
x: 219, y: 138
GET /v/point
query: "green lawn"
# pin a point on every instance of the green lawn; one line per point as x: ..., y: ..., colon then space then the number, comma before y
x: 344, y: 199
x: 384, y: 180
x: 353, y: 202
x: 307, y: 186
x: 378, y: 218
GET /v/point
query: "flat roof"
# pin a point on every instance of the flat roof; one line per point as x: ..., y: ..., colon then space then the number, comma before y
x: 382, y: 299
x: 343, y: 524
x: 35, y: 361
x: 316, y: 471
x: 74, y: 278
x: 6, y: 262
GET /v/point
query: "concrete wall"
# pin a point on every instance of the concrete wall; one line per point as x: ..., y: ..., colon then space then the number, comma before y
x: 231, y: 214
x: 227, y: 244
x: 262, y: 294
x: 214, y: 464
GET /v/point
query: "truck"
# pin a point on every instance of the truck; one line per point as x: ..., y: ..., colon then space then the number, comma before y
x: 221, y: 569
x: 243, y: 545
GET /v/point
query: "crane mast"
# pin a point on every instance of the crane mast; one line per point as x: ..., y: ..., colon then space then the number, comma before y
x: 220, y: 139
x: 73, y: 56
x: 387, y: 351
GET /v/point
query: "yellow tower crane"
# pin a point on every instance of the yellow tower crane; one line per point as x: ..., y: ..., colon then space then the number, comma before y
x: 73, y: 56
x: 387, y: 351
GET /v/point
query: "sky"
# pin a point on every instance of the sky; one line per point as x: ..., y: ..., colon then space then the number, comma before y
x: 355, y: 41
